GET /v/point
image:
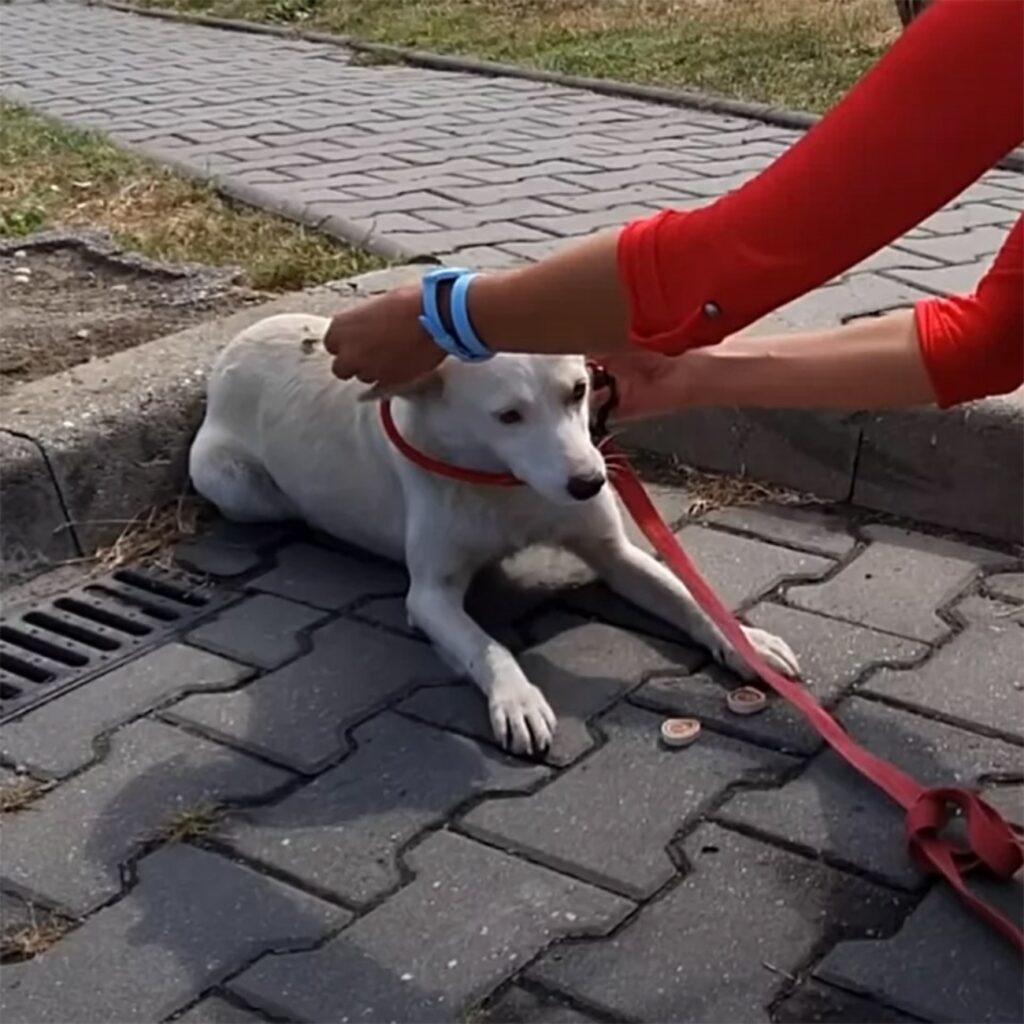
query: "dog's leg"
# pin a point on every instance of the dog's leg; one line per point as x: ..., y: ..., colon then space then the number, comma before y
x: 520, y: 715
x: 238, y: 485
x: 642, y: 579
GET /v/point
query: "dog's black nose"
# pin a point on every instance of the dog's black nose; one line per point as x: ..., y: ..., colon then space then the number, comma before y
x: 583, y: 487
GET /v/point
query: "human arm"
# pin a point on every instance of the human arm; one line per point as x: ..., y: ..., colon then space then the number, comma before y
x: 945, y: 351
x: 880, y: 162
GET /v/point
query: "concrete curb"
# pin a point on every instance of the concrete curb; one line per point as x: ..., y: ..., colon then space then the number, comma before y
x: 85, y: 450
x: 663, y: 95
x: 118, y: 445
x: 962, y: 468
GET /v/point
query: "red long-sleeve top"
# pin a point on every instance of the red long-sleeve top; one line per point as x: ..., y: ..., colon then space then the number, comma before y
x: 941, y: 107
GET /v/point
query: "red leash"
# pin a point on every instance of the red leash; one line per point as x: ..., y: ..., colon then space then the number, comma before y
x: 991, y: 841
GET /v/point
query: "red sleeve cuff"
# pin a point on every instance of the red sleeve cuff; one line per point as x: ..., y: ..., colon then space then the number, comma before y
x: 973, y: 345
x: 666, y: 263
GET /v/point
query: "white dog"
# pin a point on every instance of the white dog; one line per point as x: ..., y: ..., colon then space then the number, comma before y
x: 282, y: 438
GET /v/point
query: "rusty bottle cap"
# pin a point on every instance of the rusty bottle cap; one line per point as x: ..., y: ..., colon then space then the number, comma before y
x: 679, y: 732
x: 747, y: 700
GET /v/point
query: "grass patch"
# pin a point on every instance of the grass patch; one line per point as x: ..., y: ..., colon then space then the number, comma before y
x: 20, y: 794
x: 802, y: 54
x: 52, y: 176
x: 190, y: 823
x: 22, y: 942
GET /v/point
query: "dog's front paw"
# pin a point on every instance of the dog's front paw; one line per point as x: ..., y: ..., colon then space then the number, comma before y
x: 522, y: 719
x: 775, y: 651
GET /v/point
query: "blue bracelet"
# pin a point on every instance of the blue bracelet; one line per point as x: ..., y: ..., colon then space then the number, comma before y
x: 463, y: 342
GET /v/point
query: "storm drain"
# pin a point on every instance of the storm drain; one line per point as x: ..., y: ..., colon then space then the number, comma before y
x: 51, y: 646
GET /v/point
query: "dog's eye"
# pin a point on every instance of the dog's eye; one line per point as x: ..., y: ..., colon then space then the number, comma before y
x: 579, y: 392
x: 509, y: 416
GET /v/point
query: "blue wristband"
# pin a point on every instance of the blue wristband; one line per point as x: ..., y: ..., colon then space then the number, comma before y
x: 468, y: 338
x: 464, y: 342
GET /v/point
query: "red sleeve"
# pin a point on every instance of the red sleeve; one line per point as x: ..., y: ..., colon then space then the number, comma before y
x: 941, y: 107
x: 973, y: 345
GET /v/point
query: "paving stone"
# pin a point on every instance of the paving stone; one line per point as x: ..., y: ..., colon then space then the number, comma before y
x: 582, y: 669
x: 857, y: 296
x: 518, y: 1005
x: 343, y: 832
x: 822, y: 532
x: 453, y: 239
x: 662, y: 195
x: 192, y: 918
x: 693, y: 955
x: 611, y: 818
x: 57, y: 738
x: 977, y: 678
x: 741, y: 569
x: 499, y: 598
x: 972, y: 215
x: 944, y: 964
x: 812, y: 1002
x: 892, y: 257
x: 966, y: 247
x: 570, y: 225
x: 960, y: 279
x: 490, y: 913
x: 18, y: 912
x: 673, y: 505
x: 262, y: 631
x: 897, y: 583
x: 831, y: 809
x: 833, y: 656
x: 297, y: 715
x: 69, y: 848
x: 228, y: 549
x: 330, y: 579
x: 214, y: 1010
x: 1007, y: 585
x: 505, y: 210
x: 988, y: 189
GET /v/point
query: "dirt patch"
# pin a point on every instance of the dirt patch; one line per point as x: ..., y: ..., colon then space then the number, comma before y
x: 66, y: 305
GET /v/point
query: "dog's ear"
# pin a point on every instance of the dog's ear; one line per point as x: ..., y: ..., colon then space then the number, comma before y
x: 429, y: 385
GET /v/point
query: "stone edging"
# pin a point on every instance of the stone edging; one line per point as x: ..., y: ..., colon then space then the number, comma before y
x: 84, y: 450
x: 664, y: 95
x: 100, y: 245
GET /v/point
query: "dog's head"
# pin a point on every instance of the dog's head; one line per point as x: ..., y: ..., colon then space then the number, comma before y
x: 529, y: 414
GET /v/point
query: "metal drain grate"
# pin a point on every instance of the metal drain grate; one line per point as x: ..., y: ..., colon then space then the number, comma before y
x: 54, y: 645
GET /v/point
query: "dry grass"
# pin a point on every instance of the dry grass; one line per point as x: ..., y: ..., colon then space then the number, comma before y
x: 20, y: 794
x: 796, y: 53
x: 191, y: 823
x: 53, y: 176
x: 148, y: 538
x: 22, y: 942
x: 707, y: 491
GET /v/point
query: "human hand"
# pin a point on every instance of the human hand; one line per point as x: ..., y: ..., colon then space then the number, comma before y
x: 380, y: 341
x: 648, y: 384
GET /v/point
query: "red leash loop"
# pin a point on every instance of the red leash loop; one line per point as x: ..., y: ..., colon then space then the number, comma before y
x: 992, y: 841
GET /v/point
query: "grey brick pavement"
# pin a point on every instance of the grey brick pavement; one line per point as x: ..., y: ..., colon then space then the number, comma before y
x: 484, y: 171
x: 366, y: 853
